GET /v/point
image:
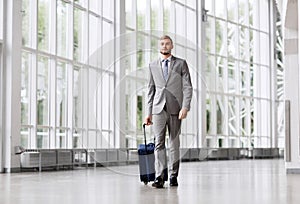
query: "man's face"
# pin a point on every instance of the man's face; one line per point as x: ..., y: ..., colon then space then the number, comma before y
x: 165, y: 46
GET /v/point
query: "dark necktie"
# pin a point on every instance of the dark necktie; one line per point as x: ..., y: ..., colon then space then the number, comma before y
x: 165, y: 69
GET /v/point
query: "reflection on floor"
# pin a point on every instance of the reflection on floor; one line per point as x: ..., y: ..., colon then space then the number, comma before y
x: 208, y: 182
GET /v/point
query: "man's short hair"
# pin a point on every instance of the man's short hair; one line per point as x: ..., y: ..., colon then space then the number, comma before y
x: 166, y: 37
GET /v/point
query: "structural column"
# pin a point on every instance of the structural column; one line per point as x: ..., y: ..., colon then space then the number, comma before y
x: 11, y: 82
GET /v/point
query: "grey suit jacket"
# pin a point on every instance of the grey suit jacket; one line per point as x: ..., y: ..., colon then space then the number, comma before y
x: 176, y: 92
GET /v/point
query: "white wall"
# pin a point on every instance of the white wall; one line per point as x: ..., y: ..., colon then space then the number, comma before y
x: 292, y: 85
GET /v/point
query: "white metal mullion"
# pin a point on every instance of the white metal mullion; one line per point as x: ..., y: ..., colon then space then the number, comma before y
x: 256, y: 49
x: 52, y: 32
x: 52, y: 66
x: 34, y: 62
x: 70, y: 66
x: 99, y: 85
x: 84, y: 58
x: 100, y: 63
x: 273, y: 69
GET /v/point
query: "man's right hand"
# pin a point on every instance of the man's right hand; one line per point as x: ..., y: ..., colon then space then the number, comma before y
x: 148, y: 120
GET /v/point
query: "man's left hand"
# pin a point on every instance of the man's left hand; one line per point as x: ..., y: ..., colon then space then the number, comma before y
x: 182, y: 113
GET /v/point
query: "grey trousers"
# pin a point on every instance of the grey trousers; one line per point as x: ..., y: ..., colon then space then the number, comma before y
x: 162, y: 122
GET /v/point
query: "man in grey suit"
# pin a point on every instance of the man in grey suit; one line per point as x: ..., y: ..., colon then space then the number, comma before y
x: 169, y: 97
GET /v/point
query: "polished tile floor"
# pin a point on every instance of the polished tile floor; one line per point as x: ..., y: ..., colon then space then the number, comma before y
x: 208, y: 182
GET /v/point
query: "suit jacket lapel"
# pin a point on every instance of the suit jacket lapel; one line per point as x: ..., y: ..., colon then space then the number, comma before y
x: 159, y: 65
x: 173, y: 59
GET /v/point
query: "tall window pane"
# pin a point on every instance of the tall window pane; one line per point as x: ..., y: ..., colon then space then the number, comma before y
x: 108, y: 9
x: 42, y: 138
x: 191, y: 26
x: 167, y: 13
x: 26, y: 23
x: 264, y: 19
x: 243, y: 12
x: 141, y: 18
x: 244, y: 44
x: 232, y: 117
x: 78, y: 83
x: 25, y: 100
x: 94, y: 39
x: 221, y: 8
x: 79, y: 29
x: 232, y: 40
x: 61, y: 94
x: 42, y: 91
x: 129, y: 13
x: 105, y: 101
x: 180, y: 19
x: 61, y: 138
x: 155, y: 15
x: 43, y: 24
x: 92, y: 100
x: 62, y: 29
x: 232, y: 67
x: 95, y: 6
x: 221, y: 39
x: 232, y: 9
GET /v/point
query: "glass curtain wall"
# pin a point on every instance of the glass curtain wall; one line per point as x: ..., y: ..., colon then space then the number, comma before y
x: 68, y: 78
x: 66, y: 88
x: 238, y: 73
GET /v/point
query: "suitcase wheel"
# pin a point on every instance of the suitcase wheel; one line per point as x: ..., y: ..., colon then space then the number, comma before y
x: 145, y: 182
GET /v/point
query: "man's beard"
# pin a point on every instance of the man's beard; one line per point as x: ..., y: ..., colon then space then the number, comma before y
x: 165, y: 53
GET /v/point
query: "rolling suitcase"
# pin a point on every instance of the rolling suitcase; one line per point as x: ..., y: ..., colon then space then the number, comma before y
x: 146, y: 161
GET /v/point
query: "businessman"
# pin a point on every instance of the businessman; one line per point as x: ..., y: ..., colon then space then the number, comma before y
x: 169, y: 97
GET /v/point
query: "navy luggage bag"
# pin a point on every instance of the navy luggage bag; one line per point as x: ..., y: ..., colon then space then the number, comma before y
x: 146, y: 161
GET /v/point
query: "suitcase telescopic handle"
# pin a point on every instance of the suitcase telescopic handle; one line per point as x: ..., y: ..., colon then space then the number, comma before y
x: 145, y: 139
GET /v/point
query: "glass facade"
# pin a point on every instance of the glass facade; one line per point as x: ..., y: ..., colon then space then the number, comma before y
x: 238, y: 73
x: 70, y: 70
x: 63, y: 103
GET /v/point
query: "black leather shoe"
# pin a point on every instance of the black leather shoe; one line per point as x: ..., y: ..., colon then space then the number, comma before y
x: 158, y: 183
x: 173, y: 181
